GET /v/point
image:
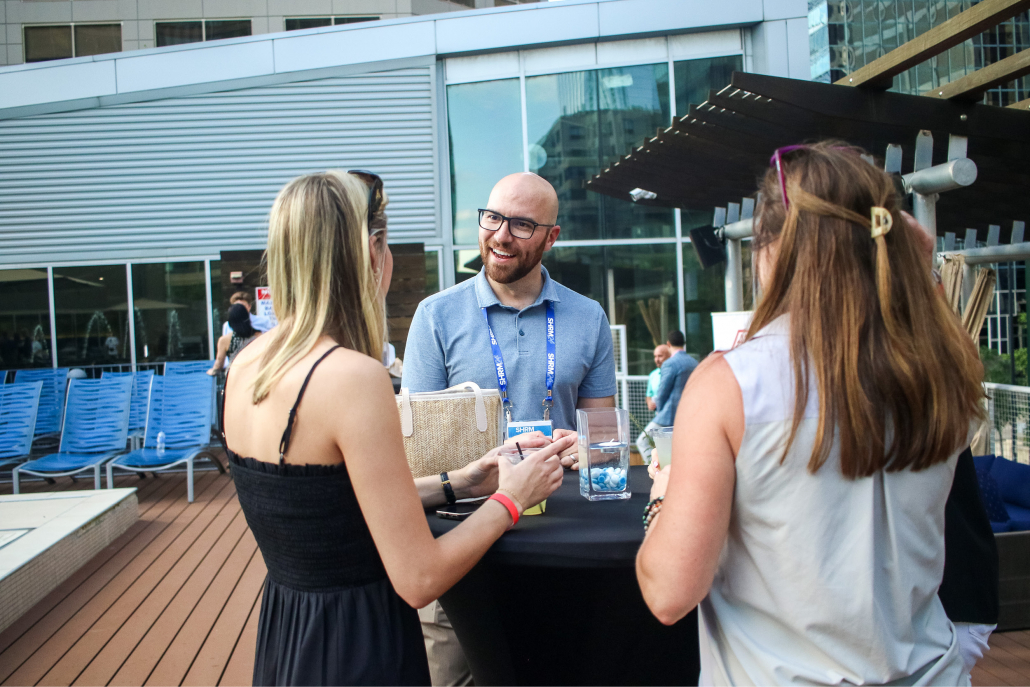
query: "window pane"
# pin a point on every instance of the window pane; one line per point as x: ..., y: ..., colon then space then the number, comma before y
x: 466, y: 264
x: 97, y: 39
x: 24, y: 319
x: 432, y: 272
x: 170, y: 302
x: 216, y: 295
x: 485, y: 122
x: 178, y: 32
x: 308, y: 23
x: 694, y: 78
x: 562, y: 119
x: 583, y: 121
x: 354, y: 20
x: 47, y: 43
x: 704, y: 292
x: 645, y: 291
x: 634, y: 105
x: 233, y: 28
x: 91, y: 306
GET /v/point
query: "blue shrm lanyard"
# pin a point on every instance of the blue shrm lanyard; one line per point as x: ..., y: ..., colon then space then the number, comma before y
x: 502, y: 376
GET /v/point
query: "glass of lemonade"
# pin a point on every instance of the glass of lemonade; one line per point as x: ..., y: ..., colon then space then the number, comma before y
x: 603, y: 453
x: 662, y: 437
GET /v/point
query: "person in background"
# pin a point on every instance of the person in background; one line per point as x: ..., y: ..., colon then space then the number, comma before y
x: 242, y: 333
x: 661, y: 354
x: 449, y: 342
x: 804, y: 509
x: 314, y: 438
x: 258, y: 322
x: 675, y: 373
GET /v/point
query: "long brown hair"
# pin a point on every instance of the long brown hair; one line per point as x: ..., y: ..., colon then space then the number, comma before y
x: 320, y: 273
x: 887, y: 355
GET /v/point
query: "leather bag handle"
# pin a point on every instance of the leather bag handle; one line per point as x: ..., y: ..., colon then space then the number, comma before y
x: 407, y: 423
x: 480, y: 403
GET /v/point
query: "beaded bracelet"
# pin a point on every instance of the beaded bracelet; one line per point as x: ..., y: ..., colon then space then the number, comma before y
x: 651, y: 511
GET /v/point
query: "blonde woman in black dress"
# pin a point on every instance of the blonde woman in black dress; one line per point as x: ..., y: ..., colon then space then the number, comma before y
x: 314, y: 439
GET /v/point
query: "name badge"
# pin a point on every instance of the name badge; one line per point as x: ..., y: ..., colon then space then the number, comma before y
x: 517, y: 428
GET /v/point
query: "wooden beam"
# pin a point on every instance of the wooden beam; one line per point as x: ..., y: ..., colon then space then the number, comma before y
x: 1021, y: 105
x: 880, y: 72
x: 972, y: 86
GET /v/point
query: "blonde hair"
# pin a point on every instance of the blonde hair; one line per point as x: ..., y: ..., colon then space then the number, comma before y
x: 320, y: 274
x: 888, y: 356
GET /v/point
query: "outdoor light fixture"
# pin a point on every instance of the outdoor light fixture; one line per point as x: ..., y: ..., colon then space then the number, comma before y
x: 638, y: 194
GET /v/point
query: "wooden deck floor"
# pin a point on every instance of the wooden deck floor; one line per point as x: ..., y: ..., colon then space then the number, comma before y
x: 174, y: 601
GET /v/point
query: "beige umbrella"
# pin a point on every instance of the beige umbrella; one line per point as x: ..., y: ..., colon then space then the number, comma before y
x: 951, y: 275
x: 979, y: 302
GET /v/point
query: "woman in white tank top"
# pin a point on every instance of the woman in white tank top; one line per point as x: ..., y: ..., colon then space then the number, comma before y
x: 804, y: 508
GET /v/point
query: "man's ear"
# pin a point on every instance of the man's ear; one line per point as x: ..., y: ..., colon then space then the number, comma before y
x: 552, y: 236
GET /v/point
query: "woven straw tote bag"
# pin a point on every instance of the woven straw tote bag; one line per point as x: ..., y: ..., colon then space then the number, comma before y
x: 447, y: 430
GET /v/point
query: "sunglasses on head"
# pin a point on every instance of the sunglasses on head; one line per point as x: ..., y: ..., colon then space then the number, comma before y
x: 375, y: 191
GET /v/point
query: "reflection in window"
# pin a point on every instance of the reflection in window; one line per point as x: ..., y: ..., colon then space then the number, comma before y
x: 178, y: 32
x: 308, y: 23
x: 694, y: 78
x: 579, y: 123
x: 644, y: 299
x: 90, y: 308
x: 216, y: 297
x: 48, y: 43
x: 24, y: 319
x: 226, y: 28
x: 432, y: 271
x: 467, y: 264
x: 485, y: 124
x: 704, y: 293
x: 170, y: 302
x: 97, y: 39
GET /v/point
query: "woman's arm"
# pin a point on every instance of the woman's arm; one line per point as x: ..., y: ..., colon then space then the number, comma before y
x: 478, y: 478
x: 368, y: 434
x: 678, y: 559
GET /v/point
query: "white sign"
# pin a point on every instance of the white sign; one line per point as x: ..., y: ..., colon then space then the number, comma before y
x: 263, y: 305
x: 730, y: 328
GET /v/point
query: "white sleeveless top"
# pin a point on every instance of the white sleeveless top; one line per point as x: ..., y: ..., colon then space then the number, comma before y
x: 823, y: 580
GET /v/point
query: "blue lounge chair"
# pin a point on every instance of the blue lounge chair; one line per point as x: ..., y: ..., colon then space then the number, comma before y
x: 96, y: 426
x: 141, y: 381
x: 18, y: 405
x: 51, y: 399
x: 180, y: 406
x: 187, y: 367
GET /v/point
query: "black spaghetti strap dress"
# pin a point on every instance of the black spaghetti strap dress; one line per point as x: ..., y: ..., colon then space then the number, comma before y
x: 329, y: 614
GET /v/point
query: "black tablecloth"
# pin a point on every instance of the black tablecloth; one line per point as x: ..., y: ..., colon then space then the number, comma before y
x: 556, y: 602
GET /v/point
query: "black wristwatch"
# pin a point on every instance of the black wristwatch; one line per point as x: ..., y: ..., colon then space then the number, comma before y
x: 448, y: 491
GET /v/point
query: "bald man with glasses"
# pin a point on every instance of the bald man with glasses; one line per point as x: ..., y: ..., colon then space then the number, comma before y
x: 547, y: 348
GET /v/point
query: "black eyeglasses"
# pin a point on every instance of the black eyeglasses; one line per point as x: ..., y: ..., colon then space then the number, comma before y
x: 375, y: 191
x: 519, y: 227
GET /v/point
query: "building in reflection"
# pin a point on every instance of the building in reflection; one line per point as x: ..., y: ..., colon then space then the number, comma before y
x: 845, y: 35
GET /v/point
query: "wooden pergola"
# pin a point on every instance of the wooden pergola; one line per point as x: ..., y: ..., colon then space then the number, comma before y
x: 964, y: 165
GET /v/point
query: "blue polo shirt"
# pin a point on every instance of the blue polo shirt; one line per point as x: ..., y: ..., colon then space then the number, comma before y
x: 448, y: 343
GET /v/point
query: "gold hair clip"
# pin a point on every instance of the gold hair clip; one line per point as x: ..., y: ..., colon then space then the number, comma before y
x: 881, y: 221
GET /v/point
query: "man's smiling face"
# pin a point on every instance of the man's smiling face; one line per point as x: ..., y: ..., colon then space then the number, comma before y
x: 526, y: 196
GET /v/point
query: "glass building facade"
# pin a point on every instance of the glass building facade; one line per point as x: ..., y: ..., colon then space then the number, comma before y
x: 845, y: 35
x: 634, y: 260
